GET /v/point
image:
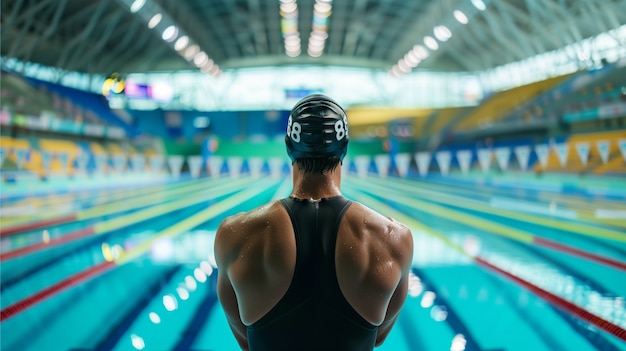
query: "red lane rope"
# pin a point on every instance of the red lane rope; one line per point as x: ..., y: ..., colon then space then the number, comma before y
x: 32, y: 300
x: 578, y: 252
x: 561, y: 302
x: 16, y: 229
x: 77, y: 234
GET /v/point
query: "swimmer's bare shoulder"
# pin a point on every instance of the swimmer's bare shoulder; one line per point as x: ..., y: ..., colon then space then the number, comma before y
x: 256, y: 251
x: 374, y: 255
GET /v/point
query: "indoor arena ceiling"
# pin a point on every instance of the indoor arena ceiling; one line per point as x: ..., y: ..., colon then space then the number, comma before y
x: 104, y: 36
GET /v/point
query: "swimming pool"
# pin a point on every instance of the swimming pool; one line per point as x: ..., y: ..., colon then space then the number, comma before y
x: 498, y: 265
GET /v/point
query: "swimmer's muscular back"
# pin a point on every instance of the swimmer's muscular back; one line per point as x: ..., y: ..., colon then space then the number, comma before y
x: 256, y: 255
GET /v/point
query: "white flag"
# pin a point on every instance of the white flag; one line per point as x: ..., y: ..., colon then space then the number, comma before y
x: 101, y: 162
x: 604, y: 148
x: 362, y: 164
x: 465, y: 158
x: 175, y: 162
x: 542, y: 151
x: 562, y: 151
x: 46, y: 159
x: 156, y: 163
x: 276, y: 166
x: 582, y: 148
x: 522, y: 153
x: 64, y: 159
x: 345, y: 166
x: 138, y: 162
x: 403, y: 161
x: 503, y: 154
x: 3, y: 155
x: 215, y: 164
x: 82, y: 159
x: 484, y: 159
x: 423, y: 162
x: 382, y: 164
x: 20, y: 156
x: 255, y: 165
x: 119, y: 161
x: 443, y: 161
x: 234, y: 165
x: 622, y: 147
x: 195, y: 165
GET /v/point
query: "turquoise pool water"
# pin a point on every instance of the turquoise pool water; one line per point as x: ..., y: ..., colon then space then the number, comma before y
x: 500, y: 263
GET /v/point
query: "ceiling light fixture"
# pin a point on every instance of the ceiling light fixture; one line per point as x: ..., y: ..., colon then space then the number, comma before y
x: 181, y: 43
x: 442, y: 33
x: 151, y: 13
x: 289, y: 27
x: 137, y: 5
x: 319, y: 33
x: 170, y: 33
x: 155, y: 20
x: 460, y: 16
x: 431, y: 43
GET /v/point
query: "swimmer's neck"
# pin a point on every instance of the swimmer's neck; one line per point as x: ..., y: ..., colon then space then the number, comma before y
x: 316, y: 186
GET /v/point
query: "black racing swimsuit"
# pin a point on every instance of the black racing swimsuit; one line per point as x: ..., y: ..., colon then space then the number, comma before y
x: 313, y: 314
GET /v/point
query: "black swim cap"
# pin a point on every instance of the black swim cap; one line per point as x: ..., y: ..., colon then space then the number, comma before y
x: 317, y: 127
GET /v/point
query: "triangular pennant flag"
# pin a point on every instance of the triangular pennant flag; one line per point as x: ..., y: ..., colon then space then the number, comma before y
x: 234, y: 166
x: 465, y: 159
x: 522, y: 153
x: 3, y: 155
x: 101, y: 162
x: 604, y: 149
x: 403, y: 161
x: 362, y: 164
x: 345, y: 166
x: 443, y: 161
x: 138, y: 162
x: 582, y: 148
x: 82, y: 159
x: 215, y: 164
x: 255, y: 164
x: 382, y: 164
x: 20, y: 157
x: 46, y: 160
x: 64, y: 159
x: 484, y: 159
x: 119, y: 160
x: 503, y: 155
x: 156, y: 163
x: 175, y: 162
x: 542, y: 151
x: 276, y: 165
x: 562, y: 151
x: 622, y: 147
x: 195, y: 165
x: 423, y: 162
